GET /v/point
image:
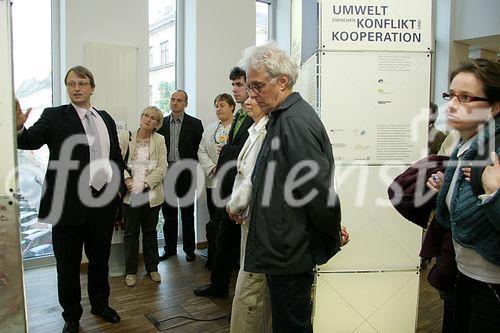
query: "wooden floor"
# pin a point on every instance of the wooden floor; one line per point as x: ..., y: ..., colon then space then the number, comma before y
x: 172, y: 297
x: 430, y: 306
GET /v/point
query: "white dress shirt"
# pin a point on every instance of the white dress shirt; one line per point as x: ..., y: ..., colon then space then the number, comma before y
x: 103, y: 138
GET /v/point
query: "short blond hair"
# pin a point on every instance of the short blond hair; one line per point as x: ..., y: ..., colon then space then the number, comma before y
x: 157, y: 112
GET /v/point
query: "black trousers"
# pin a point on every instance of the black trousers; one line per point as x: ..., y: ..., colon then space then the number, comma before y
x: 211, y: 229
x: 476, y: 307
x: 137, y: 218
x: 95, y: 238
x: 210, y: 204
x: 448, y: 300
x: 222, y: 269
x: 291, y: 304
x: 170, y: 228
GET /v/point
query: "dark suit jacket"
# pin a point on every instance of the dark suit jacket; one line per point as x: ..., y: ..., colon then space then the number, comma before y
x: 230, y: 152
x: 54, y: 127
x: 189, y: 141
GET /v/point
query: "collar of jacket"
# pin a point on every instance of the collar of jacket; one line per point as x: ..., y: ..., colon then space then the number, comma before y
x: 479, y: 141
x: 240, y: 112
x: 180, y: 118
x: 289, y: 101
x: 286, y: 104
x: 482, y: 138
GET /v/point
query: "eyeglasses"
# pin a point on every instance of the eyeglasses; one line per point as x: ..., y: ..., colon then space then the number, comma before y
x: 448, y: 96
x: 74, y: 84
x: 257, y: 87
x: 147, y: 116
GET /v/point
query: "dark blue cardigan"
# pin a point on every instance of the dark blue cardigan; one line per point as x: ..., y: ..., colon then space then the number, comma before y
x: 473, y: 224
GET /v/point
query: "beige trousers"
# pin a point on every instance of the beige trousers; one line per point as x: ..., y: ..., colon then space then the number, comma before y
x: 251, y: 311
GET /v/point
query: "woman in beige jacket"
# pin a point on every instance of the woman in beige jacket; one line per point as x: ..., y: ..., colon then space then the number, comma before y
x: 251, y: 310
x: 145, y: 156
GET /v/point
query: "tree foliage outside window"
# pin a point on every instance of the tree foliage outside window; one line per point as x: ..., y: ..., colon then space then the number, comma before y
x: 166, y: 89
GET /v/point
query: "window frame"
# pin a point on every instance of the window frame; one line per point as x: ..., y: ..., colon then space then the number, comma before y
x: 58, y: 91
x: 151, y: 56
x: 164, y: 53
x: 271, y: 28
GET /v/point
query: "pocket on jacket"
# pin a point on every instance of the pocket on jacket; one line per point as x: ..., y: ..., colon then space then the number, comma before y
x: 252, y: 290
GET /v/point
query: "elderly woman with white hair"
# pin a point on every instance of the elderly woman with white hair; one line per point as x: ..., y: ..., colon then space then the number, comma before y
x: 145, y: 156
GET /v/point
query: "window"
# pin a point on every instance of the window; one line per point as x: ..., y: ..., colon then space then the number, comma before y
x: 162, y: 75
x: 151, y: 63
x: 164, y: 52
x: 33, y: 88
x: 262, y: 21
x: 162, y: 37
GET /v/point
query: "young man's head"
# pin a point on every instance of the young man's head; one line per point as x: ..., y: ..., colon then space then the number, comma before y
x: 238, y: 81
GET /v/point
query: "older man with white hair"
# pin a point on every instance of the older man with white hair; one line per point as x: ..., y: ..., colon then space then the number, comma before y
x: 295, y: 212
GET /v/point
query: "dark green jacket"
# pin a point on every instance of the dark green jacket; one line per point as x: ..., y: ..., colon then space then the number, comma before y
x: 474, y: 224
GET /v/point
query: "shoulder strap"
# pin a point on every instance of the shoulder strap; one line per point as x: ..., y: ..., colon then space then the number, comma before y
x: 125, y: 159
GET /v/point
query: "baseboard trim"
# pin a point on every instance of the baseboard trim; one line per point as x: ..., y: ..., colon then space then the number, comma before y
x: 202, y: 245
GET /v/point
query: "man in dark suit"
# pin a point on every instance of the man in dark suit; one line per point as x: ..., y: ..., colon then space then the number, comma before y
x: 80, y: 192
x: 229, y: 232
x: 182, y: 134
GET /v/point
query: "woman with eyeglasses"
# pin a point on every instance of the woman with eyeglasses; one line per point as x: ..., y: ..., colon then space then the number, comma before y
x: 472, y: 209
x: 214, y: 138
x: 145, y: 156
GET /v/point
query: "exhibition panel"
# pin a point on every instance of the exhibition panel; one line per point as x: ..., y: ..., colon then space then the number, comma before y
x: 375, y: 105
x: 366, y: 302
x: 380, y: 238
x: 374, y: 81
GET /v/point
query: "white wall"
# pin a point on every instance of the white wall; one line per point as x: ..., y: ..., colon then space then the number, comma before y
x: 118, y: 22
x: 442, y: 51
x: 224, y: 29
x: 283, y: 24
x: 476, y: 18
x: 217, y: 32
x: 457, y: 20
